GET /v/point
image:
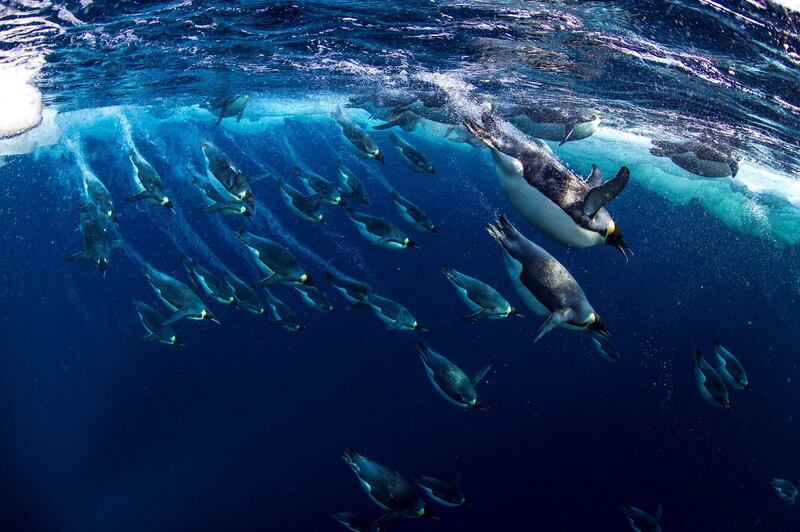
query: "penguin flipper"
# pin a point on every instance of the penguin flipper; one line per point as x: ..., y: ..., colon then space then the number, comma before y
x: 393, y: 326
x: 553, y: 321
x: 599, y: 196
x: 595, y: 179
x: 385, y: 518
x: 77, y: 257
x: 481, y: 374
x: 143, y: 195
x: 175, y: 317
x: 475, y: 316
x: 267, y: 281
x: 150, y: 337
x: 569, y: 127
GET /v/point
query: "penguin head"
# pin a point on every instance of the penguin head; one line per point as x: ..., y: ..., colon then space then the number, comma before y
x: 595, y: 323
x: 513, y: 312
x: 408, y: 243
x: 418, y: 327
x: 478, y: 405
x: 306, y: 280
x: 378, y: 155
x: 614, y: 238
x: 166, y: 202
x: 174, y: 340
x: 428, y: 513
x: 101, y: 265
x: 205, y: 314
x: 245, y: 212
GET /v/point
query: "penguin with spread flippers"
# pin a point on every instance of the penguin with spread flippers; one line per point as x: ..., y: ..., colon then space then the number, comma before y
x: 352, y: 188
x: 319, y: 186
x: 148, y: 182
x: 354, y: 522
x: 411, y: 157
x: 412, y: 214
x: 97, y: 245
x: 449, y: 380
x: 379, y: 232
x: 484, y: 301
x: 227, y: 106
x: 709, y: 383
x: 544, y: 284
x: 387, y: 488
x: 702, y: 158
x: 549, y: 195
x: 730, y: 368
x: 550, y: 123
x: 785, y: 489
x: 642, y: 521
x: 362, y: 144
x: 306, y: 207
x: 178, y: 297
x: 446, y: 493
x: 277, y: 262
x: 246, y: 297
x: 153, y: 323
x: 204, y: 279
x: 393, y: 314
x: 355, y: 292
x: 314, y: 298
x: 282, y: 314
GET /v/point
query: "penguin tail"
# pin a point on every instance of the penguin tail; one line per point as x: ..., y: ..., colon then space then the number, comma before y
x: 447, y: 270
x: 698, y: 356
x: 349, y: 456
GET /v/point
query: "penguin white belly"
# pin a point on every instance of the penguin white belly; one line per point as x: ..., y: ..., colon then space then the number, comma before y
x: 690, y: 162
x: 263, y: 267
x: 539, y: 211
x: 362, y: 228
x: 368, y: 488
x: 584, y: 129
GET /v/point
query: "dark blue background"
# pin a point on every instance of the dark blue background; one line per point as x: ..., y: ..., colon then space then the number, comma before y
x: 244, y: 428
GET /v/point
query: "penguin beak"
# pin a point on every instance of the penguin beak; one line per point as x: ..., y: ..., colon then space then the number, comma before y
x: 379, y: 156
x: 169, y: 206
x: 615, y: 239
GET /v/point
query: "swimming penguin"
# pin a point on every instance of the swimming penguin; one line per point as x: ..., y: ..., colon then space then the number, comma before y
x: 380, y: 104
x: 710, y: 384
x: 700, y: 158
x: 546, y: 287
x: 484, y: 301
x: 387, y: 488
x: 352, y: 188
x: 393, y: 314
x: 785, y: 490
x: 282, y: 314
x: 277, y: 262
x: 204, y: 279
x: 379, y: 231
x: 306, y: 207
x: 99, y: 199
x: 549, y: 195
x: 97, y: 246
x: 412, y: 214
x: 148, y: 182
x: 222, y: 168
x: 548, y: 123
x: 448, y: 379
x: 730, y: 368
x: 227, y: 107
x: 178, y: 297
x: 153, y: 323
x: 461, y: 135
x: 363, y: 145
x: 321, y: 187
x: 353, y: 291
x: 442, y: 491
x: 246, y: 298
x: 604, y: 346
x: 314, y: 298
x: 642, y: 521
x: 404, y: 119
x: 411, y: 156
x: 221, y: 202
x: 355, y: 522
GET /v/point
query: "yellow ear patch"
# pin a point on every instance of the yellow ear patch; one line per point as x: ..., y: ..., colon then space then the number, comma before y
x: 611, y: 228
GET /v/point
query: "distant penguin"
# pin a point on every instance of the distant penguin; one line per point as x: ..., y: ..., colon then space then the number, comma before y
x: 710, y: 384
x: 222, y: 201
x: 404, y: 119
x: 387, y: 488
x: 701, y: 158
x: 393, y: 314
x: 363, y: 145
x: 548, y: 123
x: 281, y: 314
x: 277, y: 262
x: 99, y: 199
x: 306, y: 207
x: 221, y: 168
x: 548, y: 194
x: 546, y: 287
x: 786, y: 490
x: 321, y: 187
x: 355, y: 522
x: 449, y: 380
x: 352, y: 188
x: 412, y: 214
x: 730, y: 368
x: 246, y: 298
x: 314, y: 298
x: 444, y: 492
x: 484, y: 301
x: 642, y: 521
x: 412, y: 158
x: 153, y: 323
x: 212, y: 285
x: 355, y: 292
x: 379, y: 232
x: 228, y: 106
x: 148, y: 182
x: 97, y: 245
x: 604, y: 346
x: 178, y: 297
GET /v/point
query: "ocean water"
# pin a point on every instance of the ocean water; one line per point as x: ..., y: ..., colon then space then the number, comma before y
x: 243, y: 427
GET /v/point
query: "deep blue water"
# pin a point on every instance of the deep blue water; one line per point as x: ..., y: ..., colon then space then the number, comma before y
x: 243, y: 429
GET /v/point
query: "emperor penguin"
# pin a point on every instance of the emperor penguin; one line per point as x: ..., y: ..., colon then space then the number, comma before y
x: 403, y: 118
x: 550, y: 123
x: 387, y: 488
x: 221, y: 168
x: 446, y: 493
x: 354, y: 522
x: 148, y: 182
x: 306, y: 207
x: 282, y: 314
x: 411, y: 156
x: 99, y: 199
x: 355, y: 292
x: 97, y: 245
x: 314, y: 298
x: 246, y: 298
x: 642, y: 521
x: 393, y: 314
x: 379, y: 232
x: 352, y: 188
x: 709, y: 383
x: 544, y: 284
x: 702, y: 158
x: 450, y: 381
x: 362, y: 144
x: 484, y: 301
x: 277, y: 262
x: 785, y: 489
x: 549, y: 195
x: 412, y: 214
x: 153, y: 323
x: 228, y: 106
x: 730, y: 368
x: 205, y: 280
x: 319, y: 186
x: 178, y: 297
x: 222, y: 201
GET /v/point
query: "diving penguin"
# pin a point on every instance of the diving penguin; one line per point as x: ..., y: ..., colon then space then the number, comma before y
x: 710, y: 384
x: 354, y: 522
x: 549, y: 195
x: 411, y: 157
x: 379, y: 231
x: 549, y: 123
x: 222, y: 201
x: 314, y: 298
x: 153, y: 323
x: 785, y: 490
x: 148, y: 182
x: 484, y: 301
x: 282, y: 314
x: 306, y: 207
x: 387, y: 488
x: 319, y: 186
x: 704, y: 159
x: 449, y: 380
x: 352, y: 188
x: 444, y: 492
x: 362, y: 144
x: 642, y: 521
x: 404, y: 119
x: 228, y: 174
x: 355, y: 292
x: 99, y: 199
x: 730, y: 368
x: 277, y: 262
x: 212, y: 285
x: 393, y: 314
x: 178, y: 297
x: 546, y: 287
x: 412, y: 214
x: 246, y: 298
x: 97, y: 246
x: 228, y: 106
